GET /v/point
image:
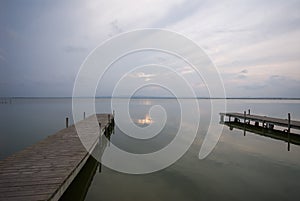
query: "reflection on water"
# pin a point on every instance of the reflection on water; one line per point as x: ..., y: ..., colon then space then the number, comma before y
x: 254, y: 167
x: 272, y: 133
x: 145, y: 121
x: 80, y: 185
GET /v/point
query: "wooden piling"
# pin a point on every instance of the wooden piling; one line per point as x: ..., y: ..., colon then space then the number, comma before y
x: 289, y: 130
x: 67, y: 122
x: 289, y: 122
x: 244, y: 123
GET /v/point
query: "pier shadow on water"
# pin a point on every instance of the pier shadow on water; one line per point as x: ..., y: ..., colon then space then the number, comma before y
x: 289, y: 138
x: 80, y: 185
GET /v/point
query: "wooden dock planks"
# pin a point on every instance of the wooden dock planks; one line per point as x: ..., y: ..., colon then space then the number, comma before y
x: 44, y: 170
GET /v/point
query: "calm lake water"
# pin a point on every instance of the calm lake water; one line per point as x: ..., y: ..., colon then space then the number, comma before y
x: 251, y: 167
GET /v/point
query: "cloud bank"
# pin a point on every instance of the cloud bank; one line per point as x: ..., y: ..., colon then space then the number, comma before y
x: 254, y: 44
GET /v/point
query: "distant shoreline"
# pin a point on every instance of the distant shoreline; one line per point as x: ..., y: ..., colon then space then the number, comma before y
x: 153, y: 97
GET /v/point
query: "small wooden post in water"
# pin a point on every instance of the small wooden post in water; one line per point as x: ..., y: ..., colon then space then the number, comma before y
x: 244, y: 123
x: 83, y: 115
x: 108, y: 118
x: 67, y: 122
x: 289, y: 130
x: 289, y: 122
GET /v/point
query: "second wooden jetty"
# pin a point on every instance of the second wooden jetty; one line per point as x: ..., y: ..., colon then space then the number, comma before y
x: 44, y: 170
x: 264, y: 120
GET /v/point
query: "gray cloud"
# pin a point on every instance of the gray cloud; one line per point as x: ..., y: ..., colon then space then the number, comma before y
x: 245, y: 71
x: 115, y: 28
x: 241, y: 76
x: 254, y: 86
x: 71, y: 49
x: 179, y: 12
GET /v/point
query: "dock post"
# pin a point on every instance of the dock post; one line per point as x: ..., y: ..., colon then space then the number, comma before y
x: 244, y: 123
x: 67, y: 122
x: 289, y: 130
x: 248, y: 111
x: 264, y: 125
x: 289, y: 122
x: 83, y: 115
x: 99, y: 139
x: 108, y: 118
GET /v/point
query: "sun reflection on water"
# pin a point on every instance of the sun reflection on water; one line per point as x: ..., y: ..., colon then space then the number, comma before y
x: 147, y: 120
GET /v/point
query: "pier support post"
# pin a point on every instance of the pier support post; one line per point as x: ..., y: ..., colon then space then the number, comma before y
x: 83, y: 115
x: 289, y: 122
x: 67, y: 122
x: 289, y: 130
x: 248, y: 111
x: 244, y: 123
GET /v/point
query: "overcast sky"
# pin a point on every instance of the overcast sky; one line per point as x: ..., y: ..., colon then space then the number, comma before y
x: 254, y: 44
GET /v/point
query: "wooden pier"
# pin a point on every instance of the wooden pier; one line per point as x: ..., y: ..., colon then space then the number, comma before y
x: 264, y: 125
x: 45, y: 170
x: 4, y: 100
x: 264, y: 120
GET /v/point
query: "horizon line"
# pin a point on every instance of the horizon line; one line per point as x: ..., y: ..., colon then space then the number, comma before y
x: 148, y: 97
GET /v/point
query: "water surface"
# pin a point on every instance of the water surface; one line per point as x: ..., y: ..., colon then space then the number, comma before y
x: 251, y: 167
